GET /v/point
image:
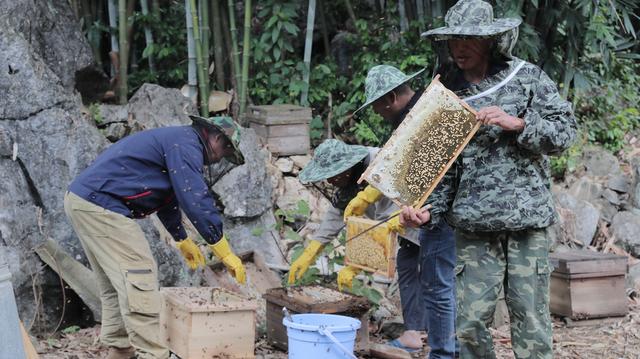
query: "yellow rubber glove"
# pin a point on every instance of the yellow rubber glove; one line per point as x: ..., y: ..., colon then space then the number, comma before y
x: 361, y: 202
x: 300, y: 266
x: 394, y: 224
x: 346, y: 275
x: 230, y: 260
x: 191, y: 253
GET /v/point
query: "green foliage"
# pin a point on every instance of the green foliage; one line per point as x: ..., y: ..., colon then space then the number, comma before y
x: 169, y: 49
x: 94, y: 110
x: 609, y: 109
x: 71, y: 330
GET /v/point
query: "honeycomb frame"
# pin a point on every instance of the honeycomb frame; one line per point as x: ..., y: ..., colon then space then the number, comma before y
x: 423, y: 148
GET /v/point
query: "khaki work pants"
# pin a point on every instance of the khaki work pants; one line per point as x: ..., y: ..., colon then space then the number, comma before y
x: 126, y: 274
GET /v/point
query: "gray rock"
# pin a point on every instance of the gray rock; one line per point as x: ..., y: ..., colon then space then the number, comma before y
x: 586, y: 189
x: 636, y: 196
x: 107, y: 114
x: 26, y: 83
x: 600, y: 162
x: 115, y: 131
x: 53, y: 33
x: 611, y: 196
x: 284, y: 164
x: 585, y: 215
x: 154, y: 106
x: 626, y: 227
x: 300, y: 161
x: 619, y: 183
x: 257, y: 234
x: 246, y: 190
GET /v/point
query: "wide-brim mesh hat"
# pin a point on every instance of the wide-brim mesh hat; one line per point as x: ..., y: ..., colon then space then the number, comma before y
x: 472, y: 18
x: 381, y: 79
x: 332, y: 158
x: 229, y: 128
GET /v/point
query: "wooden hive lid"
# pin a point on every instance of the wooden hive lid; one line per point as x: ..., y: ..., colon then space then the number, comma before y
x: 585, y: 262
x: 279, y: 114
x: 317, y: 299
x: 207, y: 299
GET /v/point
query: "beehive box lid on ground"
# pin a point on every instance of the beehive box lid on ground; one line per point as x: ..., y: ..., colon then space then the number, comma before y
x: 373, y: 251
x: 206, y: 299
x: 421, y: 150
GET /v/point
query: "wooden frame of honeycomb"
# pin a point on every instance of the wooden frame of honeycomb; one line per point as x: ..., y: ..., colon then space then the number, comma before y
x: 374, y: 251
x: 425, y: 145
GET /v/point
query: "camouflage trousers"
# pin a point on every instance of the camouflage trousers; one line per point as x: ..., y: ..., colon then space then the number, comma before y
x: 517, y: 261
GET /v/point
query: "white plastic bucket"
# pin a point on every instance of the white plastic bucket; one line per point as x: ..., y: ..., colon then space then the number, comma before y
x: 321, y: 336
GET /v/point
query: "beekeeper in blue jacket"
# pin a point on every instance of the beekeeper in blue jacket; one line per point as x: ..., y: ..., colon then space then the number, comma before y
x: 154, y: 171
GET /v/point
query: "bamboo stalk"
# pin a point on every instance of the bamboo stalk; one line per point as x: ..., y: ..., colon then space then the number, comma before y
x: 113, y: 24
x: 122, y: 26
x: 323, y: 26
x: 235, y: 54
x: 218, y: 44
x: 205, y: 33
x: 192, y: 79
x: 404, y: 23
x: 420, y: 11
x: 148, y: 36
x: 245, y: 55
x: 352, y: 15
x: 204, y: 98
x: 311, y: 15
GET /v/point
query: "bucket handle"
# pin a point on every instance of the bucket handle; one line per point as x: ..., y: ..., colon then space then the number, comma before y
x: 322, y: 330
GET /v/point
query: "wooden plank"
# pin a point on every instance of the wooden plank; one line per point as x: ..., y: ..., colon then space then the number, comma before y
x: 76, y: 275
x: 560, y: 297
x: 29, y: 350
x: 384, y: 351
x: 280, y: 130
x: 592, y: 322
x: 279, y: 114
x: 285, y: 146
x: 598, y: 297
x: 581, y: 261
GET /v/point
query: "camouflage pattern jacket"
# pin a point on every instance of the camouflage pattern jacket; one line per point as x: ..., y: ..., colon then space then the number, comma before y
x: 501, y: 181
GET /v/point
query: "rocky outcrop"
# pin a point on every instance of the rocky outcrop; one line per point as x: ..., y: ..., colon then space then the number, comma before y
x: 154, y: 106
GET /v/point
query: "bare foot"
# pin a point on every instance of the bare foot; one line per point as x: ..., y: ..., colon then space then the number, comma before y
x: 411, y: 339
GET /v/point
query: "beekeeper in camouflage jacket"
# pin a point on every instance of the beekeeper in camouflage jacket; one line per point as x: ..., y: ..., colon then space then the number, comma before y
x: 497, y: 196
x: 341, y: 165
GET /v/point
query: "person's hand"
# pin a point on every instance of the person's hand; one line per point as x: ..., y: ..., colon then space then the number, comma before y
x: 234, y: 265
x: 346, y: 275
x: 359, y: 204
x: 494, y: 115
x: 191, y: 253
x: 411, y: 217
x: 300, y: 265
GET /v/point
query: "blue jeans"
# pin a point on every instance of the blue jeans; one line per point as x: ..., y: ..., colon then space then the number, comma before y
x: 408, y: 266
x: 437, y: 279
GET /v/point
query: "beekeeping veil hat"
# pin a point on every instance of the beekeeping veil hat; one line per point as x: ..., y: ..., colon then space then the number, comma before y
x: 332, y: 158
x: 472, y: 18
x: 229, y: 128
x: 381, y: 79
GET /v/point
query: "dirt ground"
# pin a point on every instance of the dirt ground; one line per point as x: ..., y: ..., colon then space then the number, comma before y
x: 619, y: 338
